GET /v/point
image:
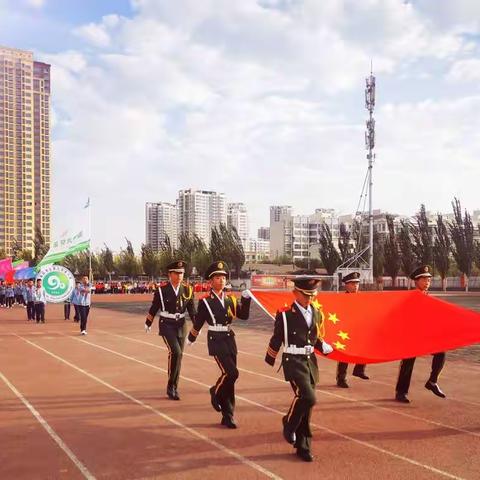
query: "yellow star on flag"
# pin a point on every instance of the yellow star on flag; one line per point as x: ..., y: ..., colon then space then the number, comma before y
x: 339, y: 346
x: 343, y: 335
x: 333, y: 318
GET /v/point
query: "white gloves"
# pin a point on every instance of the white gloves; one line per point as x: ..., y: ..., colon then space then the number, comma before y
x: 246, y: 294
x: 189, y: 343
x: 148, y: 329
x: 326, y: 348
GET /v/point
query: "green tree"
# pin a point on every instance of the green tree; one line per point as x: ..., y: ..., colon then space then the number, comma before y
x: 407, y: 256
x: 150, y: 261
x: 441, y: 250
x: 422, y: 238
x: 106, y: 263
x: 40, y: 247
x: 391, y: 252
x: 193, y: 250
x: 344, y: 240
x: 16, y: 249
x: 126, y: 262
x: 378, y: 256
x: 461, y: 231
x: 328, y: 253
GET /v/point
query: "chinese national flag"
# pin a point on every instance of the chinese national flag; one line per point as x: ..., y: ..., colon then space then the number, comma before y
x: 372, y: 327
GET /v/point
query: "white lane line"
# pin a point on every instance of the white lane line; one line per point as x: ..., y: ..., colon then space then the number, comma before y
x: 83, y: 469
x: 273, y: 410
x: 322, y: 392
x: 190, y: 430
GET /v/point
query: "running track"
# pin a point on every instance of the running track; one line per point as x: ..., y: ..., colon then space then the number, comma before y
x: 94, y: 407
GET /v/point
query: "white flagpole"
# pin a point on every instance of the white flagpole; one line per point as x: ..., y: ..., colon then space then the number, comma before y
x: 90, y: 273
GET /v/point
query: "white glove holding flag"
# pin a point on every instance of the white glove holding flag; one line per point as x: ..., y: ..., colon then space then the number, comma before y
x: 189, y: 343
x: 326, y: 348
x: 246, y: 294
x: 147, y: 329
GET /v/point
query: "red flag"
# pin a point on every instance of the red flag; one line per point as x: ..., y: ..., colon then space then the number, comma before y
x: 372, y: 327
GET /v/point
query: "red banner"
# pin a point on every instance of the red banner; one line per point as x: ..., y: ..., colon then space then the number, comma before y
x: 271, y: 282
x: 372, y: 327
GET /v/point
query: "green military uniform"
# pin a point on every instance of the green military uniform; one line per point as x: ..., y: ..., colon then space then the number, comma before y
x: 218, y: 312
x: 299, y: 336
x: 359, y: 369
x: 406, y: 365
x: 173, y: 303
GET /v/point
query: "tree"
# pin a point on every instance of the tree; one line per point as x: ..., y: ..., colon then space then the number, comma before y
x: 225, y: 244
x: 391, y: 251
x: 193, y: 250
x: 126, y: 262
x: 441, y: 250
x: 106, y: 263
x: 40, y: 247
x: 407, y: 257
x: 422, y: 238
x: 461, y: 231
x: 150, y: 261
x: 328, y: 253
x: 3, y: 253
x: 16, y: 249
x: 378, y: 256
x: 344, y: 243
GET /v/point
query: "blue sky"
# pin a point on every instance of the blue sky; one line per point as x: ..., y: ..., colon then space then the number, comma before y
x: 259, y: 99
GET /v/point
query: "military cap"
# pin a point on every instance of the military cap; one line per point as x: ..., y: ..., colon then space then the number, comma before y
x: 422, y: 271
x: 351, y: 277
x: 217, y: 268
x: 177, y: 266
x: 306, y: 282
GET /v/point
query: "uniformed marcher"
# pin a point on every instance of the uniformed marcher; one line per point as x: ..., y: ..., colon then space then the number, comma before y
x: 352, y: 284
x: 300, y: 329
x: 218, y: 309
x: 173, y: 299
x: 422, y: 278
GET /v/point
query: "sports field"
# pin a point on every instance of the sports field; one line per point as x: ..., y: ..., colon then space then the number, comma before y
x: 95, y: 407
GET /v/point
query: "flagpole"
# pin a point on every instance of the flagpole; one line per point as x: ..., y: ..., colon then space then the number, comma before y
x: 90, y: 276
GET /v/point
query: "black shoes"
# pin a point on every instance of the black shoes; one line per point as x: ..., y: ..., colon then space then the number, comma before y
x: 228, y: 422
x: 342, y: 383
x: 435, y: 389
x: 288, y: 435
x: 172, y: 393
x: 361, y: 375
x: 213, y: 399
x: 304, y: 454
x: 402, y: 398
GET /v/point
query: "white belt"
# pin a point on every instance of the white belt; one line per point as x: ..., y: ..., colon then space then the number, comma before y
x: 219, y: 328
x: 175, y: 316
x: 293, y: 350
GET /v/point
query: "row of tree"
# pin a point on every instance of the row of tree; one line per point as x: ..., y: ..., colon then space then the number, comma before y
x: 409, y: 244
x: 225, y: 244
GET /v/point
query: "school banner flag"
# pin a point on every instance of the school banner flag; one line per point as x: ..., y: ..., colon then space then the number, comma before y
x: 5, y: 267
x: 373, y: 327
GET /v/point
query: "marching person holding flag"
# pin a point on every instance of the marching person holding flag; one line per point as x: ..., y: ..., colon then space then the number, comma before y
x: 300, y: 328
x: 422, y: 278
x: 352, y: 284
x: 173, y: 299
x: 218, y: 309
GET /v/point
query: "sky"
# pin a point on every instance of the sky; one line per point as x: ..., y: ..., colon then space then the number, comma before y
x: 262, y: 100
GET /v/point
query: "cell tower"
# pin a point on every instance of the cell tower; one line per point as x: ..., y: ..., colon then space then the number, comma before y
x: 363, y: 257
x: 370, y: 145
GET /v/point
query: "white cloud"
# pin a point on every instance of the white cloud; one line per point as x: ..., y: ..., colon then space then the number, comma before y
x: 36, y: 3
x: 467, y: 70
x: 264, y: 104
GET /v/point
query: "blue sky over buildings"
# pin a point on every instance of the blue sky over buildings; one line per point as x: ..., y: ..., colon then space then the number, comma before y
x: 262, y: 100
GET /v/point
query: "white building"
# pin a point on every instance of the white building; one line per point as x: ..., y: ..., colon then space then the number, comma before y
x: 281, y: 225
x: 237, y: 216
x: 199, y: 211
x: 161, y: 220
x: 257, y: 250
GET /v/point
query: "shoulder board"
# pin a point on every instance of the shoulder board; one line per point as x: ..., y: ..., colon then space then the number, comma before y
x: 206, y: 295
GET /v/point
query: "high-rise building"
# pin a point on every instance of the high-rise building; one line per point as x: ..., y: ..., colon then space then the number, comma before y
x: 237, y: 216
x: 281, y: 224
x: 263, y: 233
x: 161, y: 221
x: 24, y: 149
x: 199, y: 211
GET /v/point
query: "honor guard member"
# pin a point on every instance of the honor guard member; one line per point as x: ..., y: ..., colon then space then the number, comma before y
x: 352, y: 284
x: 300, y: 329
x: 173, y: 299
x: 218, y: 309
x: 422, y: 278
